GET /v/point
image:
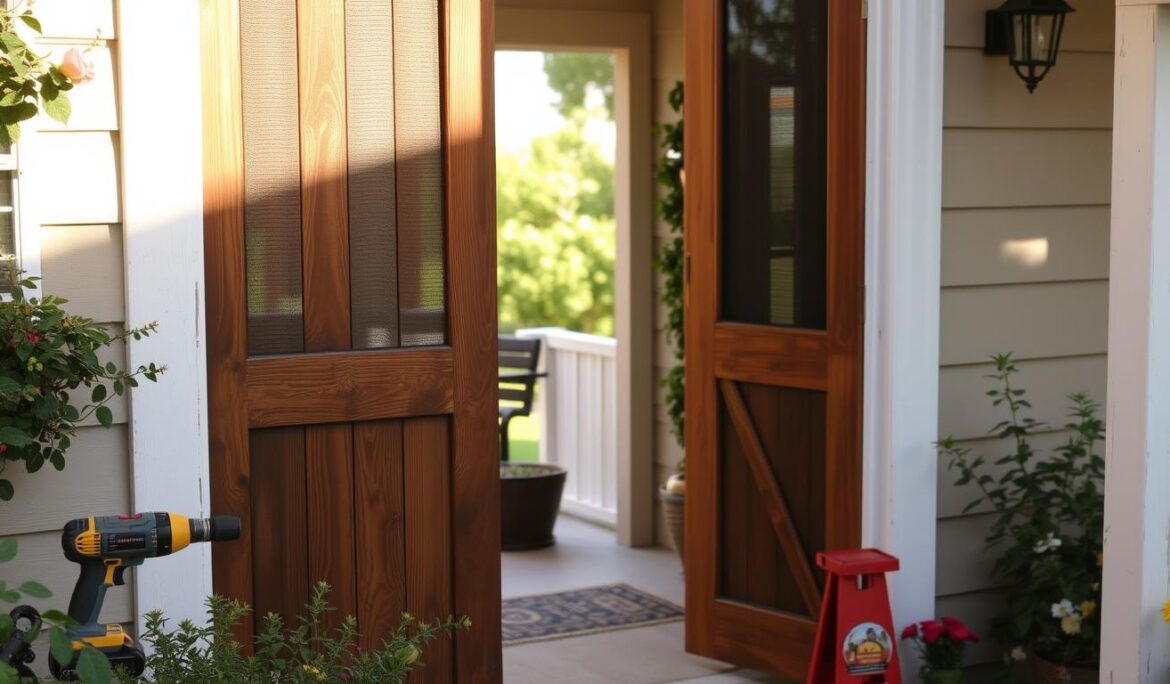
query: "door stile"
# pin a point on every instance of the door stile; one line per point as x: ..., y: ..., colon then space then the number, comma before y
x: 223, y: 243
x: 846, y: 272
x: 468, y: 30
x: 702, y: 20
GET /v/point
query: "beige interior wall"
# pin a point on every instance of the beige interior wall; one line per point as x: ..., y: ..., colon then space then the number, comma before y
x: 70, y: 188
x: 1025, y: 255
x: 668, y: 69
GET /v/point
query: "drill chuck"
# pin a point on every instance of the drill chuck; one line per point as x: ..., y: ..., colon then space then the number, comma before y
x: 219, y: 528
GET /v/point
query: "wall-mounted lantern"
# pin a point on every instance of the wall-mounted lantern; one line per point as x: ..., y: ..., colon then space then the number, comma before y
x: 1028, y: 32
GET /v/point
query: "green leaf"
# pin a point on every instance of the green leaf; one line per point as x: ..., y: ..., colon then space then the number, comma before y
x: 8, y: 385
x: 92, y: 667
x: 7, y: 549
x: 105, y: 416
x: 99, y: 393
x: 9, y: 596
x: 57, y: 617
x: 11, y: 42
x: 16, y: 113
x: 35, y: 590
x: 31, y: 22
x: 14, y: 436
x: 58, y: 107
x: 6, y: 490
x: 6, y: 627
x: 60, y: 647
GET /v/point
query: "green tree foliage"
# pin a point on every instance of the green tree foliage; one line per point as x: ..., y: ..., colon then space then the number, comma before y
x: 669, y: 263
x: 555, y: 225
x: 573, y: 74
x: 555, y: 234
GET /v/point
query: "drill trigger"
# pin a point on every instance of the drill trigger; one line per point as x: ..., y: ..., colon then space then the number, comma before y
x: 120, y: 575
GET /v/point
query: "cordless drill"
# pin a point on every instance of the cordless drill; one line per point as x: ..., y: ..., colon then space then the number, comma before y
x: 105, y: 546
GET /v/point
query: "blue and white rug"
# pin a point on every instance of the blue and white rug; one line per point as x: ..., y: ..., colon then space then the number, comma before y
x: 583, y: 611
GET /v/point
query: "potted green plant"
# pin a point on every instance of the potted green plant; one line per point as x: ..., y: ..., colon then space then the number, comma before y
x: 941, y: 643
x: 1048, y: 531
x: 669, y: 263
x: 530, y: 494
x: 51, y: 379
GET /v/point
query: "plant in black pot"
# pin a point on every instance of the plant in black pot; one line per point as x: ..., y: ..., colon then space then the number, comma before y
x: 531, y: 499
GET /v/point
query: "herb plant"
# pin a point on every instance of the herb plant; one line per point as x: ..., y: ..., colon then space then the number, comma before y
x: 51, y: 379
x: 1049, y: 517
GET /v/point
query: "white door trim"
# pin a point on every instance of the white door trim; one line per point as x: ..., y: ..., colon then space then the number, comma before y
x: 628, y: 36
x: 161, y: 141
x: 903, y: 224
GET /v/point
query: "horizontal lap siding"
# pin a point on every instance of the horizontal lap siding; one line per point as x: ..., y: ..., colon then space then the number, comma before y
x: 70, y: 187
x: 1025, y: 238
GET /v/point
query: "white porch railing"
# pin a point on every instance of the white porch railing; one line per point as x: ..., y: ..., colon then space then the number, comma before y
x: 577, y: 409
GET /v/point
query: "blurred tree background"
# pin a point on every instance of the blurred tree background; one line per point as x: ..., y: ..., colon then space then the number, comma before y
x: 554, y: 201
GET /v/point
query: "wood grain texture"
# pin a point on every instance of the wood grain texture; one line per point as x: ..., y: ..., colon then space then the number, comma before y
x: 373, y: 234
x: 419, y: 141
x: 774, y: 356
x: 427, y: 467
x: 324, y: 200
x: 329, y: 494
x: 702, y: 22
x: 272, y: 172
x: 341, y: 387
x: 774, y: 500
x: 223, y: 243
x: 280, y: 545
x: 468, y: 30
x: 784, y: 358
x: 379, y: 527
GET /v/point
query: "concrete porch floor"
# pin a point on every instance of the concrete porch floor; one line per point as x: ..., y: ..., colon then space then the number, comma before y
x: 585, y: 556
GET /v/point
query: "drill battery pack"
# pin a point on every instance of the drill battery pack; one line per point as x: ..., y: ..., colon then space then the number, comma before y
x: 119, y: 648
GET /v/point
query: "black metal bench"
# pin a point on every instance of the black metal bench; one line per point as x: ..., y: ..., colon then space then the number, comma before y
x: 519, y: 359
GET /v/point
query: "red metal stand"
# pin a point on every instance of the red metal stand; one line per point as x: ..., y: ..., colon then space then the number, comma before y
x: 855, y: 636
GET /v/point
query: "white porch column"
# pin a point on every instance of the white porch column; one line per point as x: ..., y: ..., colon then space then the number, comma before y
x: 162, y: 209
x: 1135, y: 643
x: 903, y: 210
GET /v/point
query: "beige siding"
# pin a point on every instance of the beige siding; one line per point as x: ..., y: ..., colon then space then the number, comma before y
x: 72, y: 187
x: 668, y: 68
x: 1026, y: 183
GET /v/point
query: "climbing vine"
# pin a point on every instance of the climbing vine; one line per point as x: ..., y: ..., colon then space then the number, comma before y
x: 670, y: 261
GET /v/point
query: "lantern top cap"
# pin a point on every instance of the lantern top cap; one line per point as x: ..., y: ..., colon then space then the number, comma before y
x: 1036, y: 6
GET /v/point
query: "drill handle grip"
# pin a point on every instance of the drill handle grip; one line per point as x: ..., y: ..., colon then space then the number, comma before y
x: 86, y: 603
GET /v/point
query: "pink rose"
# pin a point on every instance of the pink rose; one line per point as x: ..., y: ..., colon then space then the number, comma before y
x: 932, y: 632
x: 3, y: 448
x: 911, y: 631
x: 33, y: 338
x: 76, y: 66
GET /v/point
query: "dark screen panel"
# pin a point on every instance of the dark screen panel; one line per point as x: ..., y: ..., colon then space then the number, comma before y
x: 774, y: 150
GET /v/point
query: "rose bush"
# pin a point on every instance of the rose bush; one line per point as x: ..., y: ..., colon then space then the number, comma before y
x: 941, y: 642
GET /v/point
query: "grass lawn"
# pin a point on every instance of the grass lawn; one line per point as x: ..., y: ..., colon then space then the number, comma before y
x: 523, y: 438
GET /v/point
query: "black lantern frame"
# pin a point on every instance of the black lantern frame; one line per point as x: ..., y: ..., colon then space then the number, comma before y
x: 1029, y: 33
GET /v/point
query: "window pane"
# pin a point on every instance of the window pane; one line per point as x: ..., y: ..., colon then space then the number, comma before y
x: 7, y: 222
x: 774, y: 162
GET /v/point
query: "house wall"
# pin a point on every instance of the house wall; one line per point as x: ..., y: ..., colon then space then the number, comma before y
x: 1025, y: 256
x: 70, y: 196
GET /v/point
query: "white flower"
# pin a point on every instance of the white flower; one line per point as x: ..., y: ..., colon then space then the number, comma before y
x: 1018, y: 654
x: 1063, y: 609
x: 1050, y: 543
x: 1071, y: 624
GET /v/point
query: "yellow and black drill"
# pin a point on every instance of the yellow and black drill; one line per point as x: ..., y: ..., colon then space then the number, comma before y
x: 105, y: 546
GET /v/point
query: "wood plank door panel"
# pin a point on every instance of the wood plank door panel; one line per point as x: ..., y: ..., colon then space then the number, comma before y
x: 350, y: 257
x: 774, y: 242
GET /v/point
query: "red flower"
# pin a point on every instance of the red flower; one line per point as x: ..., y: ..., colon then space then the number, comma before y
x: 910, y: 631
x: 974, y: 638
x: 958, y: 632
x: 33, y: 337
x: 3, y: 448
x: 932, y: 632
x: 951, y: 622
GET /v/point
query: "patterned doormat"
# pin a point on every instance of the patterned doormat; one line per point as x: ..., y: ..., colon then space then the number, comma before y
x: 583, y: 611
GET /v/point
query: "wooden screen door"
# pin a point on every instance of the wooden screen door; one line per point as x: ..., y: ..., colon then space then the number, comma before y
x: 350, y: 259
x: 774, y: 240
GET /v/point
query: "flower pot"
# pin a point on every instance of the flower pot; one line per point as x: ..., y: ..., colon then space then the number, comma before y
x: 530, y: 499
x: 673, y: 507
x: 1048, y: 672
x: 942, y: 676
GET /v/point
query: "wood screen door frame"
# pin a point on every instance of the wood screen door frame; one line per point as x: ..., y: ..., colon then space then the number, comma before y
x: 722, y: 354
x: 462, y: 373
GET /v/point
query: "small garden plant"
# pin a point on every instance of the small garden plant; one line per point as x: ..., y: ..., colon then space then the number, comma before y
x: 51, y: 379
x: 1048, y: 528
x: 941, y: 643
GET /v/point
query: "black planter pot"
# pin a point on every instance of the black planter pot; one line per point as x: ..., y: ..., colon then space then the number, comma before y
x: 530, y: 498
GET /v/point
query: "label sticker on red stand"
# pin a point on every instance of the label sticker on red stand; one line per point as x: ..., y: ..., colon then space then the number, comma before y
x: 868, y: 649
